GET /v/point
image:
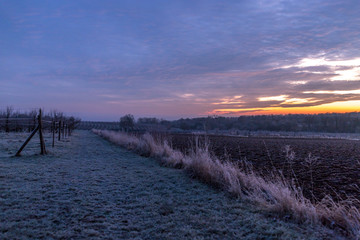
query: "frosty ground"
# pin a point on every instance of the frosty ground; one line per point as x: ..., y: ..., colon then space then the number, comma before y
x: 89, y: 188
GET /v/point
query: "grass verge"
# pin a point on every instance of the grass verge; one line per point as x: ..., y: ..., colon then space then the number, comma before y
x: 274, y: 194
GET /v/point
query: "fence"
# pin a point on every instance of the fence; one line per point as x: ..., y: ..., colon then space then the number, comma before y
x: 33, y: 123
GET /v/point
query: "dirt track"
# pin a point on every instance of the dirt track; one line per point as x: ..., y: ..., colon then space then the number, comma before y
x: 91, y: 189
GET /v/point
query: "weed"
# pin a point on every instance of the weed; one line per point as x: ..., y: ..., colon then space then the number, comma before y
x: 310, y: 162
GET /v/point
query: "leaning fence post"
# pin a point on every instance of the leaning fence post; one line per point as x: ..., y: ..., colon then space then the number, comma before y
x: 27, y: 141
x: 42, y: 143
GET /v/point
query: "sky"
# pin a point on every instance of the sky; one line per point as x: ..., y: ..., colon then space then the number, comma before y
x: 99, y: 60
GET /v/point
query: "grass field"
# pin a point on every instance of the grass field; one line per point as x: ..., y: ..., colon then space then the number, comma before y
x: 89, y: 188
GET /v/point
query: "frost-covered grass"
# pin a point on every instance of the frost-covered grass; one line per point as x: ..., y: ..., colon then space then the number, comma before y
x: 11, y: 142
x: 91, y: 189
x: 274, y: 194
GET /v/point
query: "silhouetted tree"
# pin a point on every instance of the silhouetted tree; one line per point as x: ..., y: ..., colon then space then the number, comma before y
x: 328, y: 122
x: 9, y: 111
x: 127, y: 122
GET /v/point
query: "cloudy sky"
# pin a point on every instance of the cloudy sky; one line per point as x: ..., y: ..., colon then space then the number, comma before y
x: 187, y: 58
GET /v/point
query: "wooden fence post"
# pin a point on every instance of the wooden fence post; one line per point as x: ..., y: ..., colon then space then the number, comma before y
x: 53, y: 133
x: 66, y: 126
x: 27, y: 140
x: 63, y: 129
x: 42, y: 143
x: 59, y: 130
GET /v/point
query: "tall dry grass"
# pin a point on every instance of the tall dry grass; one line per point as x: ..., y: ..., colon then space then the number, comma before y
x: 275, y: 194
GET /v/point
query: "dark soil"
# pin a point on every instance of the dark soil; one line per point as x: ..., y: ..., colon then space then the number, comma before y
x: 336, y: 171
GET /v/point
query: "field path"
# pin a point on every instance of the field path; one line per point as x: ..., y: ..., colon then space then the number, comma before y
x: 89, y: 188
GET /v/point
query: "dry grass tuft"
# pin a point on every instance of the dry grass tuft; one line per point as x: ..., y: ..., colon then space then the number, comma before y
x: 274, y: 194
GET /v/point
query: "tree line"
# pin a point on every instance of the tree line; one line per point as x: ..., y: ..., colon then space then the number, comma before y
x: 327, y: 122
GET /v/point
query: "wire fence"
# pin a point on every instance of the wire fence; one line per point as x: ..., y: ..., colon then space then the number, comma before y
x: 34, y: 122
x: 25, y: 120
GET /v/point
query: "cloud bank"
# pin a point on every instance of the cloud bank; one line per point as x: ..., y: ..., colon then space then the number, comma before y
x: 180, y: 58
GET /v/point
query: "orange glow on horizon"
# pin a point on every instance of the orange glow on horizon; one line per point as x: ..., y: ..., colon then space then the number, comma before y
x: 337, y: 107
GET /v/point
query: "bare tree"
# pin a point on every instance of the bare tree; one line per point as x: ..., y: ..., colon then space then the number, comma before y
x: 56, y: 115
x: 127, y: 122
x: 32, y: 115
x: 9, y: 111
x: 72, y: 122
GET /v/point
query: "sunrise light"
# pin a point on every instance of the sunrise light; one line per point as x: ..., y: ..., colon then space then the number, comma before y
x: 273, y: 98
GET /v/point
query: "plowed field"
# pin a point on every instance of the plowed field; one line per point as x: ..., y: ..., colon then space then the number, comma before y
x: 332, y: 169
